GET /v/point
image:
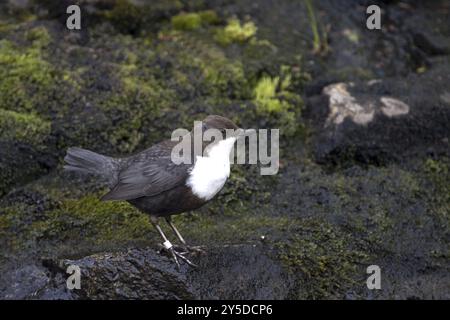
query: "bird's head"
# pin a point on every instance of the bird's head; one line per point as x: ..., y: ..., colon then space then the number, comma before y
x: 225, y: 126
x: 214, y: 125
x: 219, y: 123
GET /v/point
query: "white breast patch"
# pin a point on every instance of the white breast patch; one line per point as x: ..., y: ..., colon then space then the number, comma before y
x: 211, y: 172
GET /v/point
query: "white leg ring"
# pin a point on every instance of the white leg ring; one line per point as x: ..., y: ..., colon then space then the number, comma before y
x: 167, y: 244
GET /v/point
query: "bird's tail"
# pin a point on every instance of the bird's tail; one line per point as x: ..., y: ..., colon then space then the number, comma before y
x: 82, y: 160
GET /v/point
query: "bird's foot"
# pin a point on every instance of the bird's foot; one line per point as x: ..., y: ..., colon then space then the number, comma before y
x: 177, y: 254
x: 196, y: 250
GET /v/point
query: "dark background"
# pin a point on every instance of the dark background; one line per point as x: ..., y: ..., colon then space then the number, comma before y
x: 362, y: 181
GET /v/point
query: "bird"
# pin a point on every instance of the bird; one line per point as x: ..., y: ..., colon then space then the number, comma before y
x: 153, y: 183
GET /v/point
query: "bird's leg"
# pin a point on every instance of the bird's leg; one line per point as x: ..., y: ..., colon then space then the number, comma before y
x: 175, y: 230
x: 180, y: 237
x: 168, y: 245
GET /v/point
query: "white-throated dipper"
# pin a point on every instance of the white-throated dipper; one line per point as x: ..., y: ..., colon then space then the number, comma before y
x: 152, y: 182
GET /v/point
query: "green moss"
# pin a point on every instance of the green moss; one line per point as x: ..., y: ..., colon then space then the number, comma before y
x: 135, y: 108
x: 23, y: 127
x: 14, y: 15
x: 39, y: 36
x: 5, y: 223
x: 209, y: 17
x: 142, y: 98
x: 272, y: 97
x: 221, y: 75
x: 437, y: 174
x: 6, y: 27
x: 265, y: 96
x: 7, y: 237
x: 89, y: 219
x: 73, y: 226
x: 126, y: 16
x: 194, y: 20
x: 260, y: 56
x: 246, y: 228
x: 187, y: 21
x: 126, y: 135
x: 206, y: 66
x: 324, y: 261
x: 436, y: 168
x: 137, y: 17
x: 24, y: 77
x: 234, y: 31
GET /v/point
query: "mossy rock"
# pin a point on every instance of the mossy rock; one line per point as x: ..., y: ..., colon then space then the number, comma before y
x: 134, y: 17
x: 325, y: 261
x: 24, y: 77
x: 274, y: 99
x: 23, y: 127
x: 194, y: 20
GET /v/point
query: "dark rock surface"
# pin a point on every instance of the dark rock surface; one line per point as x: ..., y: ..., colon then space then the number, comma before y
x: 134, y: 274
x: 234, y: 272
x: 381, y: 121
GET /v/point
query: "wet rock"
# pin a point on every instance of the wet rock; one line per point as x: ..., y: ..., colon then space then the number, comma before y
x: 227, y: 272
x: 342, y: 105
x: 242, y: 271
x: 19, y: 163
x: 393, y: 107
x: 134, y: 274
x: 379, y: 121
x: 24, y: 282
x: 431, y: 43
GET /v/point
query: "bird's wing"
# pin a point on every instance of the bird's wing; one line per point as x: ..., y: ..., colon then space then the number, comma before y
x: 147, y: 174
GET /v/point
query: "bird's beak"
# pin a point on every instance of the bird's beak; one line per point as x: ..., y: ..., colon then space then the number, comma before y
x: 244, y: 132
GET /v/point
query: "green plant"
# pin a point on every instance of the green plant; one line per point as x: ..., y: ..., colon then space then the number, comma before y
x: 319, y: 43
x: 234, y: 31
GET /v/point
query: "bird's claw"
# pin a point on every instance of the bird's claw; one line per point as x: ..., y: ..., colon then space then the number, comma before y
x: 174, y: 256
x: 196, y: 249
x: 190, y: 249
x: 182, y: 257
x: 179, y: 255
